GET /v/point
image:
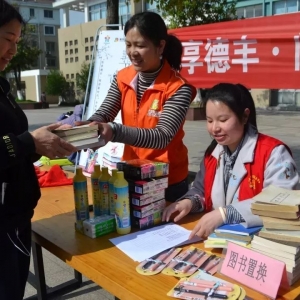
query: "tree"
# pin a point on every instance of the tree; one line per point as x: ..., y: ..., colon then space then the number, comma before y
x: 82, y: 77
x: 183, y: 13
x: 25, y: 58
x: 57, y: 85
x: 112, y: 16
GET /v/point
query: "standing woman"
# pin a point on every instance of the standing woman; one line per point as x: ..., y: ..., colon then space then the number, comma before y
x: 153, y: 99
x: 19, y: 188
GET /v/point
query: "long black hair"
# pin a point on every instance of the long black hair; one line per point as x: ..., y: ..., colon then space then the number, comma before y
x: 8, y: 13
x: 152, y: 26
x: 237, y: 97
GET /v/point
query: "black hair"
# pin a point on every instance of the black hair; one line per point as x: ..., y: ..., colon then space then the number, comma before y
x: 8, y: 13
x: 237, y: 97
x: 152, y: 26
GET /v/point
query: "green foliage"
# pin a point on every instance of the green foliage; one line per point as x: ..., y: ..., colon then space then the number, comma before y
x: 25, y: 57
x: 57, y: 85
x: 82, y: 77
x: 183, y: 13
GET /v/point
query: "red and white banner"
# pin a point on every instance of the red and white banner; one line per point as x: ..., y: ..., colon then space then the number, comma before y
x: 259, y: 53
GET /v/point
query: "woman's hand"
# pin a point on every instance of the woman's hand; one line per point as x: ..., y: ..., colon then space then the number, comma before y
x: 183, y: 207
x: 207, y: 224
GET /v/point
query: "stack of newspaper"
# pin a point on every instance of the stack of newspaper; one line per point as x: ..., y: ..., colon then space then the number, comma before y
x: 81, y: 137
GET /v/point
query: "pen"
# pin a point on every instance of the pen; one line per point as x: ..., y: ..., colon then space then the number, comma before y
x: 212, y: 291
x: 203, y: 266
x: 222, y: 286
x: 150, y: 261
x: 213, y: 265
x: 161, y: 261
x: 192, y: 262
x: 214, y: 295
x: 184, y: 260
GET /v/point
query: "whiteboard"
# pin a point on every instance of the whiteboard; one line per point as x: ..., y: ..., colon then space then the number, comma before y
x: 110, y: 57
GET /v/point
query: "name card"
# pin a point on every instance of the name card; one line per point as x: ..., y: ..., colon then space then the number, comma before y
x: 255, y: 270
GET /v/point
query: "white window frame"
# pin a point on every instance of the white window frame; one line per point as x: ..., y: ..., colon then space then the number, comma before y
x: 49, y: 27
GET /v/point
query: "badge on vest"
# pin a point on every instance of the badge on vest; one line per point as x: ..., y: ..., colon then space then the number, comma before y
x: 253, y: 179
x: 154, y: 109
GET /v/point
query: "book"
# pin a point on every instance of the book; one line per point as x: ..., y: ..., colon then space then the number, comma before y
x: 89, y: 143
x: 222, y: 243
x: 233, y: 236
x: 80, y: 136
x: 279, y: 196
x: 237, y: 229
x: 283, y: 224
x: 274, y: 207
x: 75, y: 130
x: 280, y: 235
x: 289, y: 247
x: 276, y: 214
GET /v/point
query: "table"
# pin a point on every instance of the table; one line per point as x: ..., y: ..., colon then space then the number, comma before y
x: 98, y: 259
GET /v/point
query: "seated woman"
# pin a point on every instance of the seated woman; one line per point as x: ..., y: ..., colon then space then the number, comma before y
x: 238, y: 164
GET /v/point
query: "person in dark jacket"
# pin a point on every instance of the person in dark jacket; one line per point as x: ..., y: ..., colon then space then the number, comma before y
x: 19, y: 188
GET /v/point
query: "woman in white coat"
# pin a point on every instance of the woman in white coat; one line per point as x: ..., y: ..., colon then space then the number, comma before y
x: 238, y: 164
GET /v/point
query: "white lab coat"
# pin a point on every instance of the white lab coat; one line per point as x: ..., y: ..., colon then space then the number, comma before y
x: 275, y: 174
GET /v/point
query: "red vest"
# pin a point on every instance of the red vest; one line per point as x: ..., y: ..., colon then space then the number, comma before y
x: 252, y: 183
x: 147, y: 115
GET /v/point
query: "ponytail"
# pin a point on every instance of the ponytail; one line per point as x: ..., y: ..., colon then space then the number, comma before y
x: 173, y: 52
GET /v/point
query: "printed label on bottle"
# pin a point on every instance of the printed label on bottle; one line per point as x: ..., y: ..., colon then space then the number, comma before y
x: 122, y: 210
x: 104, y: 197
x: 96, y: 196
x: 81, y: 201
x: 111, y: 199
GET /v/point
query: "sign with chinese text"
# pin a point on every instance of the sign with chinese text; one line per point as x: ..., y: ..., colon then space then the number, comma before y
x: 259, y: 52
x: 253, y: 269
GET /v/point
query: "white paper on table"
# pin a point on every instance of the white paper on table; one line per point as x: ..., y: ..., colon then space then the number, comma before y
x: 147, y: 243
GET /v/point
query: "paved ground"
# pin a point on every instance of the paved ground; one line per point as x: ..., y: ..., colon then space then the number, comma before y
x: 283, y: 125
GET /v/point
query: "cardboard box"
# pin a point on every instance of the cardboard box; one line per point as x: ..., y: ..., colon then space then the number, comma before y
x: 99, y: 226
x: 147, y: 185
x: 144, y: 211
x: 147, y: 222
x: 141, y: 200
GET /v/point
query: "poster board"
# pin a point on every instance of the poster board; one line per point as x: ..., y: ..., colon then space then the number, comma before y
x: 109, y: 58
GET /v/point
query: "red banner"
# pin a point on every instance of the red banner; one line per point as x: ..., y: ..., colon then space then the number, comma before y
x: 259, y: 53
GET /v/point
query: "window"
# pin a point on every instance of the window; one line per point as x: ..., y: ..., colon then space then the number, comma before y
x: 249, y: 11
x: 87, y: 57
x: 86, y: 49
x: 49, y: 30
x: 66, y: 52
x: 72, y: 76
x: 75, y: 42
x: 76, y: 59
x: 151, y: 7
x: 124, y: 11
x: 91, y: 39
x: 76, y: 50
x: 92, y: 48
x: 71, y: 59
x: 71, y: 43
x: 97, y: 11
x: 50, y: 47
x: 51, y: 62
x: 66, y: 44
x: 86, y: 40
x: 31, y: 12
x: 48, y: 14
x: 71, y: 51
x: 67, y: 76
x: 283, y: 7
x: 66, y: 60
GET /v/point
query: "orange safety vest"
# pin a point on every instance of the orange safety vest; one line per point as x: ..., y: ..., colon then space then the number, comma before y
x: 147, y: 114
x: 252, y: 183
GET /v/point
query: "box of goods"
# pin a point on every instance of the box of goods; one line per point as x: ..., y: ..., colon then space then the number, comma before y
x: 147, y: 185
x: 98, y: 226
x: 141, y: 200
x: 147, y: 222
x: 143, y: 168
x: 144, y: 211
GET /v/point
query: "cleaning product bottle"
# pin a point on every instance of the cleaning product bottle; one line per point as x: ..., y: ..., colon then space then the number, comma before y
x: 81, y: 199
x: 122, y: 210
x: 95, y: 190
x: 104, y: 191
x: 111, y: 191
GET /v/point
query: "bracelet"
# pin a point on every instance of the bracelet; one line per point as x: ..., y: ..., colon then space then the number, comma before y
x: 221, y: 209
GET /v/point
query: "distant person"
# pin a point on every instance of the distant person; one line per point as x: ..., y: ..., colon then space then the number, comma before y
x: 44, y: 100
x: 19, y: 187
x: 153, y: 99
x: 238, y: 164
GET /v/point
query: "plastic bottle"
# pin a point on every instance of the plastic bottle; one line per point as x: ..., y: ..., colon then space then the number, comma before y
x: 104, y: 191
x: 122, y: 210
x: 111, y: 191
x: 95, y: 190
x: 80, y: 198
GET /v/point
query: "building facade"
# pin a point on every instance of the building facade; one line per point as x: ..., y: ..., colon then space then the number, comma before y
x: 76, y: 43
x: 45, y: 22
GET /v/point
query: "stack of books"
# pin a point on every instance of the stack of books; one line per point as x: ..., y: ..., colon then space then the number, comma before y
x: 235, y: 233
x: 81, y: 137
x: 280, y: 236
